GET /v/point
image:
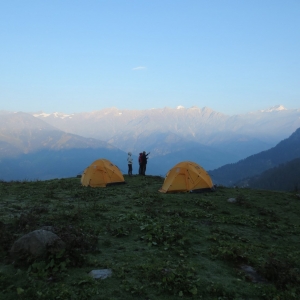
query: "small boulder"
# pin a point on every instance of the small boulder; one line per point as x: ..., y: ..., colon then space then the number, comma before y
x: 49, y: 228
x: 252, y: 274
x: 231, y: 200
x: 101, y: 274
x: 36, y: 244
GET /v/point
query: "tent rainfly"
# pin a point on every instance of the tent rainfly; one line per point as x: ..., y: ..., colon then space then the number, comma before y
x: 186, y: 176
x: 100, y: 173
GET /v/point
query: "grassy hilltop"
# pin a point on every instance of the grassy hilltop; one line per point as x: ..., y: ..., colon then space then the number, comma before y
x: 159, y: 246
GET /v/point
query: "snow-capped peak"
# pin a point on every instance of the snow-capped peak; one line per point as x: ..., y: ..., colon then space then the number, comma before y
x: 41, y: 115
x: 179, y: 107
x: 55, y: 115
x: 274, y: 108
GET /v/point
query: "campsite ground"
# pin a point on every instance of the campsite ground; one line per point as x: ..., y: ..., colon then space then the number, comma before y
x: 159, y: 246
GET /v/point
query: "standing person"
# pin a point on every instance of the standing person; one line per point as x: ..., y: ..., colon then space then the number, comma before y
x: 140, y: 163
x: 129, y: 160
x: 144, y: 162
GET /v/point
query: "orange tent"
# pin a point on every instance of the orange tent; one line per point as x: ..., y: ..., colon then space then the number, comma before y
x: 186, y: 176
x: 100, y: 173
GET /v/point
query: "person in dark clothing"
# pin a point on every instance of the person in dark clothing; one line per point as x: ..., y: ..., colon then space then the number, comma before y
x: 144, y: 162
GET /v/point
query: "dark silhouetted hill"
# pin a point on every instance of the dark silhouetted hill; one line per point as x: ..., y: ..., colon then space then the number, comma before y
x: 285, y: 177
x: 283, y: 152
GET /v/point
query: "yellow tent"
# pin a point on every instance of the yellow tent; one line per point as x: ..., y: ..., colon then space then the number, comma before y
x: 186, y: 176
x: 100, y: 173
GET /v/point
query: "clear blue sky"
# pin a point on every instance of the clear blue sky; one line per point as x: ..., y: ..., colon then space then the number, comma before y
x: 70, y: 56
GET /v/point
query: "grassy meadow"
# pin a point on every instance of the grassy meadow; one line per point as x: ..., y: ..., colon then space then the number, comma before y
x: 158, y: 246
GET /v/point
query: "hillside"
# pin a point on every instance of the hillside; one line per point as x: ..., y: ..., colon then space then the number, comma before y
x: 284, y: 151
x: 157, y: 246
x: 285, y: 177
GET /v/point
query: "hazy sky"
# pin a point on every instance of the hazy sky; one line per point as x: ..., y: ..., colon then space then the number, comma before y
x: 70, y: 56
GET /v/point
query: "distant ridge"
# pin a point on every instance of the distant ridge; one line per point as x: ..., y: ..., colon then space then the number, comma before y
x: 23, y: 133
x: 32, y: 149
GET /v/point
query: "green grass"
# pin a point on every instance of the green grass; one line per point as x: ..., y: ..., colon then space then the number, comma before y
x: 159, y: 246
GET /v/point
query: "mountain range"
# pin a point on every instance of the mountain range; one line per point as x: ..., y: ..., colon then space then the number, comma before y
x: 217, y: 138
x: 135, y: 130
x: 67, y: 143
